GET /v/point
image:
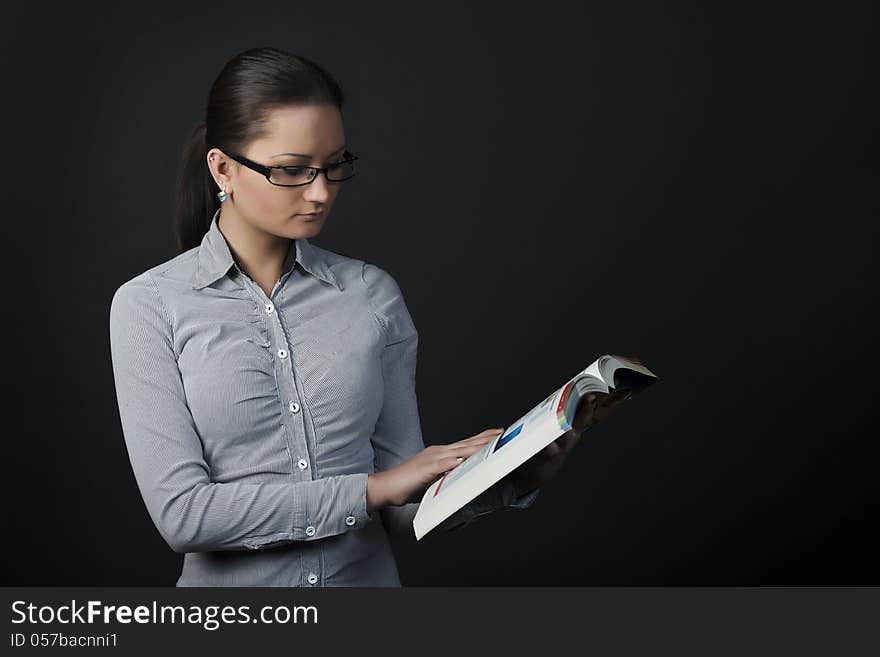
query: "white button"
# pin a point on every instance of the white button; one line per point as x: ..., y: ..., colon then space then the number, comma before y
x: 310, y: 531
x: 312, y: 578
x: 303, y: 464
x: 294, y: 407
x: 350, y: 521
x: 269, y: 308
x: 282, y: 353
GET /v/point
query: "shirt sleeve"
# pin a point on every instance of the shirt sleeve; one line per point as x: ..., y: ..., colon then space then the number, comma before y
x: 191, y: 512
x: 398, y: 435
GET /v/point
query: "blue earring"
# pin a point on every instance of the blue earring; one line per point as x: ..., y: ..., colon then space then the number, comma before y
x: 222, y: 195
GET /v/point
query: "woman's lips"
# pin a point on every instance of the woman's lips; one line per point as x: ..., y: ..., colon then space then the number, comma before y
x: 311, y: 217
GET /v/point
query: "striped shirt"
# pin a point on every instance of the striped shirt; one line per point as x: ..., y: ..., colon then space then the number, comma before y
x: 251, y: 421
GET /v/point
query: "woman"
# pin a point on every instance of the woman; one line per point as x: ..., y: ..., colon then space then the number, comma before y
x: 266, y: 386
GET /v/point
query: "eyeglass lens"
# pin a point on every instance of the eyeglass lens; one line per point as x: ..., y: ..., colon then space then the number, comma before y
x: 296, y: 175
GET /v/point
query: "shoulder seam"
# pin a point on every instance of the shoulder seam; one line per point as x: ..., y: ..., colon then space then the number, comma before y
x: 381, y: 320
x: 165, y: 312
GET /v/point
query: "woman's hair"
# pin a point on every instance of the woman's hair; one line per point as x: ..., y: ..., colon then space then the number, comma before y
x: 248, y: 88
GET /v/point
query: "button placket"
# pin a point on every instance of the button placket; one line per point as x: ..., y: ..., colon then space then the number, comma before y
x: 294, y: 418
x: 292, y: 421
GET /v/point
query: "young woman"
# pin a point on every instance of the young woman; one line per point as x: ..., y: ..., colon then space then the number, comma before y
x: 266, y: 386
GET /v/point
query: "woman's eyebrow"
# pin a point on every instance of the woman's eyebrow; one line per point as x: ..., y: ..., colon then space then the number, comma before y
x: 306, y: 155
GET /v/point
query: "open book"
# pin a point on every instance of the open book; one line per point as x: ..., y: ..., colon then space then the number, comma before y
x: 608, y: 375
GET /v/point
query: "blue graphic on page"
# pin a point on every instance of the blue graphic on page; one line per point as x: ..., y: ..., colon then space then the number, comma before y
x: 508, y: 437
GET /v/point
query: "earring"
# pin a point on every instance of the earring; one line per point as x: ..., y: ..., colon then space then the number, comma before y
x: 222, y: 195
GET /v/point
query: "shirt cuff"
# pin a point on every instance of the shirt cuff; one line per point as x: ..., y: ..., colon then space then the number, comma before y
x: 329, y: 514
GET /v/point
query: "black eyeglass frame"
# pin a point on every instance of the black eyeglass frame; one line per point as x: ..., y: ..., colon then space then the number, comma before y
x: 267, y: 170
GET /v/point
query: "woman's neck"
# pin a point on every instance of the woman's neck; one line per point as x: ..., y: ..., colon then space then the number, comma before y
x: 260, y: 255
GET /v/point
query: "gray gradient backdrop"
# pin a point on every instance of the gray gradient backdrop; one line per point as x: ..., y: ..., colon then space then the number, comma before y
x: 694, y: 186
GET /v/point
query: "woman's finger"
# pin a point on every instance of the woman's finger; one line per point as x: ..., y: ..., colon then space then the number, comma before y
x: 574, y: 439
x: 552, y: 449
x: 486, y: 433
x: 454, y: 451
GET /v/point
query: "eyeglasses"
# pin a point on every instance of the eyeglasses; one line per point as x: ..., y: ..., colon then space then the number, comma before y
x: 294, y: 176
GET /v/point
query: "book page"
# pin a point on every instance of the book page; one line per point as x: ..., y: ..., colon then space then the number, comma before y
x: 543, y: 415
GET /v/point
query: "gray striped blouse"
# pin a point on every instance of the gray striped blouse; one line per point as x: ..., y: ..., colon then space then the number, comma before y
x: 252, y: 422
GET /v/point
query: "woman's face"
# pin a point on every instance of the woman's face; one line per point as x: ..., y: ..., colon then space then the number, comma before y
x: 316, y: 134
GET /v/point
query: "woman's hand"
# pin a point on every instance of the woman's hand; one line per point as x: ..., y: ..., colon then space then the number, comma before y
x: 546, y: 464
x: 408, y: 481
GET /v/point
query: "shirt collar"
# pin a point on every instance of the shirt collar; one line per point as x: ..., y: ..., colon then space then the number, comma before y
x: 215, y: 258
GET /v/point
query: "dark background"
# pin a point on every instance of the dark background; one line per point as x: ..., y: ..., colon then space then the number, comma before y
x: 693, y: 186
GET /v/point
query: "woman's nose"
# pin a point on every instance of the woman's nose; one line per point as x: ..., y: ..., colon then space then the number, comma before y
x: 318, y: 189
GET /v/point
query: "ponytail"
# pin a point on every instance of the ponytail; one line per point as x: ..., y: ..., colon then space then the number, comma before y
x: 196, y: 202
